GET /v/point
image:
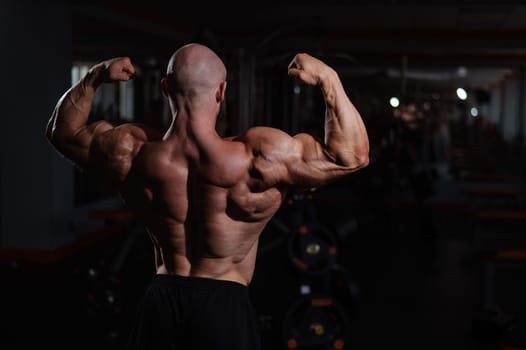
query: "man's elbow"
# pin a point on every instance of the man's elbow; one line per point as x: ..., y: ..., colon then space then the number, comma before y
x: 52, y: 136
x: 362, y: 155
x: 363, y: 160
x: 50, y: 131
x: 359, y: 161
x: 56, y: 138
x: 49, y: 135
x: 355, y: 160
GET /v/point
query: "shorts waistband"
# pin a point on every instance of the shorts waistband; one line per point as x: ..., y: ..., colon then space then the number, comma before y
x: 198, y: 282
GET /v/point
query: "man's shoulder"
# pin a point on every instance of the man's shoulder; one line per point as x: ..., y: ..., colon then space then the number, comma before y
x: 141, y: 131
x: 267, y: 143
x: 258, y: 134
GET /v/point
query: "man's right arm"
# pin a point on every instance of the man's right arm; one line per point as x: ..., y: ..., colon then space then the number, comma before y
x: 346, y: 140
x: 302, y: 160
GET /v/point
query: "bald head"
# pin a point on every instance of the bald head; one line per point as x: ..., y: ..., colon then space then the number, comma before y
x: 194, y: 69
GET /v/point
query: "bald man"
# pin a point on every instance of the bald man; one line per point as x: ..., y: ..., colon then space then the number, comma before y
x: 205, y: 199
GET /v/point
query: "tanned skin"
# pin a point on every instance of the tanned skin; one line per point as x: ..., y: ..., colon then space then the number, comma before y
x: 206, y: 199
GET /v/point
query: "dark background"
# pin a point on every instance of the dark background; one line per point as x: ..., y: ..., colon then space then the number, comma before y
x: 424, y: 248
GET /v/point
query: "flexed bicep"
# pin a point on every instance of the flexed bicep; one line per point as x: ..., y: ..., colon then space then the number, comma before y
x: 345, y: 147
x: 68, y: 129
x: 312, y: 165
x: 301, y: 161
x: 76, y: 145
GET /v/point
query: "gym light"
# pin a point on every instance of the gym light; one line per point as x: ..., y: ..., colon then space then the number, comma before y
x: 297, y: 90
x: 462, y: 94
x: 474, y: 112
x: 394, y: 102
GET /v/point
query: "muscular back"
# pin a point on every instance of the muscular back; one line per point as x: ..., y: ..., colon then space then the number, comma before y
x: 203, y: 212
x: 204, y: 199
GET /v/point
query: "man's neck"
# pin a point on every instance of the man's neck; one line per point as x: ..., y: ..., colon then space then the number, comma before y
x: 198, y: 126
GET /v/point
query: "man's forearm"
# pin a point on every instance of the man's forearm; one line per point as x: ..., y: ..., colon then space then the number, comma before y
x: 72, y: 110
x: 345, y: 134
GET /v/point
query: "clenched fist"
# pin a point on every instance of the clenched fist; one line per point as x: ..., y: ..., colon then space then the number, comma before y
x: 112, y: 70
x: 308, y: 69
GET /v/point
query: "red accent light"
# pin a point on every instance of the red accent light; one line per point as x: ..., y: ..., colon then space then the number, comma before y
x: 338, y: 344
x: 300, y: 264
x: 321, y: 302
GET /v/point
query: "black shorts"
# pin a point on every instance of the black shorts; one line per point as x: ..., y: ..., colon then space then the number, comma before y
x: 195, y: 313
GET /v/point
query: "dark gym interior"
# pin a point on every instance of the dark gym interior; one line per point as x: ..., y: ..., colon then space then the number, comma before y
x: 423, y: 249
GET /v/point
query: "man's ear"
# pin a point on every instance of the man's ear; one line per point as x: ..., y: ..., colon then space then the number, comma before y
x: 164, y: 87
x: 220, y: 94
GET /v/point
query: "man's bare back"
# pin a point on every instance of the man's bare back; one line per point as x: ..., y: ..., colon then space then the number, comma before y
x: 204, y: 217
x: 206, y: 199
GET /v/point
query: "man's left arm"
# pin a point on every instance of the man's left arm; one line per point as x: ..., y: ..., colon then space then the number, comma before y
x: 67, y: 128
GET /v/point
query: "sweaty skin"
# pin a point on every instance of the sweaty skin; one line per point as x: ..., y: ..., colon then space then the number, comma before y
x: 206, y: 199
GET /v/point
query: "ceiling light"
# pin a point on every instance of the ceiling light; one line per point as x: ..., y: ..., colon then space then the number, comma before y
x: 394, y: 102
x: 462, y: 94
